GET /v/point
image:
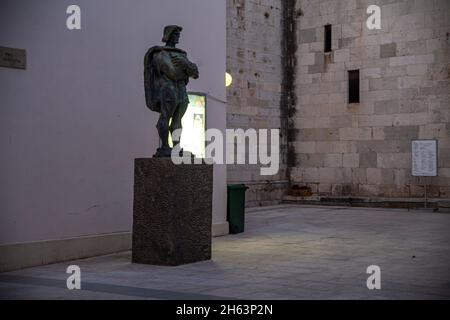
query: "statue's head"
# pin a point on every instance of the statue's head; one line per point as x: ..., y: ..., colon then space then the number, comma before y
x: 172, y: 34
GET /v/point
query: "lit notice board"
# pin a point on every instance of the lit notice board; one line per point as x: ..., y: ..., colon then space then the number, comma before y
x: 424, y: 158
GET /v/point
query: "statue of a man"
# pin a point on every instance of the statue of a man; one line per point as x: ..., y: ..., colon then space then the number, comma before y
x: 166, y: 73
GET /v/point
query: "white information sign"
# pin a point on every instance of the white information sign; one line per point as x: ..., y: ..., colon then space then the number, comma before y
x: 424, y: 158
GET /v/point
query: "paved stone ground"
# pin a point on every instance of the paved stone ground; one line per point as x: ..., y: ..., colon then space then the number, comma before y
x: 287, y: 252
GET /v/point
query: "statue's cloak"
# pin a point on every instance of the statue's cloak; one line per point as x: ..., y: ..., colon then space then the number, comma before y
x: 152, y: 83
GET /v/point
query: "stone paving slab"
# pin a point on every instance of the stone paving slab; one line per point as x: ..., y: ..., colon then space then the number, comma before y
x: 287, y: 252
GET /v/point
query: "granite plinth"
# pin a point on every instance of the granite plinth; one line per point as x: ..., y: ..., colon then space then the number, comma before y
x: 172, y: 212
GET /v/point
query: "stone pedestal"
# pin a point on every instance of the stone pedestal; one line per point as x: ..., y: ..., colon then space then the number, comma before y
x: 172, y: 212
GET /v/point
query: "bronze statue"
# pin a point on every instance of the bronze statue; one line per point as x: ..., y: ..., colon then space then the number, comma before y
x: 166, y: 73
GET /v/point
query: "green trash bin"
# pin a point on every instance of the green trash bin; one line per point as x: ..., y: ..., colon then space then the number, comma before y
x: 236, y: 207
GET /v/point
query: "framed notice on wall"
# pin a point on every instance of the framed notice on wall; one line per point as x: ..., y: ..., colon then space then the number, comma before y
x: 424, y: 158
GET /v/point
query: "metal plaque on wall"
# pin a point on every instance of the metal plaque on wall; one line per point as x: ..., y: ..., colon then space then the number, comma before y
x: 13, y: 58
x: 424, y: 158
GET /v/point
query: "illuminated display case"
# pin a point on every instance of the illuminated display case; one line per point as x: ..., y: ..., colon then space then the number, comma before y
x: 194, y: 125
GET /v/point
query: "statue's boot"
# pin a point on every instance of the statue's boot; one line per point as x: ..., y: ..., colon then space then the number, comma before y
x: 163, y: 130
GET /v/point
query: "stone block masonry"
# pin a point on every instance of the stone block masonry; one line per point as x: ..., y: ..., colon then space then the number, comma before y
x: 254, y: 40
x: 333, y: 147
x: 404, y: 95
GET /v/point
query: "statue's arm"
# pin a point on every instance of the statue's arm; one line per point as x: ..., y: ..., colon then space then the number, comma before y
x: 189, y: 67
x: 165, y: 66
x: 192, y: 70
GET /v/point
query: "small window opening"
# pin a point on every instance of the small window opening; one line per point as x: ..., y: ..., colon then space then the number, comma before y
x: 353, y: 86
x: 327, y: 38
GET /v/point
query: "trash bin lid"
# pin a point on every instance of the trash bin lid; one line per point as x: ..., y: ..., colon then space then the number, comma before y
x: 237, y: 187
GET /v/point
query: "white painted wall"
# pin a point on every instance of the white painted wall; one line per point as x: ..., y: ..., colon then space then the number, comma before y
x: 73, y: 122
